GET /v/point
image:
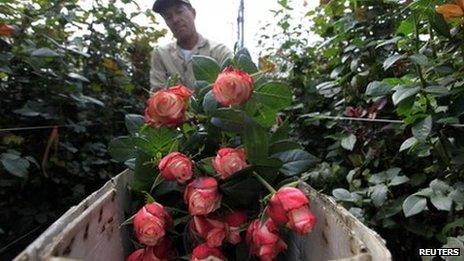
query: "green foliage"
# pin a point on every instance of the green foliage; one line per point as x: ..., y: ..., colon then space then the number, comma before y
x: 206, y: 127
x: 380, y: 60
x: 82, y: 68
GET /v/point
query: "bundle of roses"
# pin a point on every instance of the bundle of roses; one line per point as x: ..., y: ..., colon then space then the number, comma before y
x: 209, y: 163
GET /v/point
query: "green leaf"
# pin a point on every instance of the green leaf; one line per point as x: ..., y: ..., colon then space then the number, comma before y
x: 398, y: 180
x: 376, y: 89
x: 348, y: 142
x: 342, y: 194
x: 274, y: 94
x: 281, y: 133
x: 15, y: 164
x: 245, y: 63
x: 422, y: 129
x: 273, y: 97
x: 457, y: 195
x: 145, y: 173
x: 441, y: 202
x: 408, y: 143
x: 157, y: 139
x: 205, y: 68
x: 256, y: 142
x: 133, y: 123
x: 328, y: 89
x: 45, y: 52
x: 86, y: 99
x: 78, y: 77
x: 390, y: 61
x: 379, y: 194
x: 241, y: 189
x: 209, y: 103
x: 283, y: 145
x: 121, y: 148
x: 389, y: 209
x: 414, y: 205
x: 439, y: 24
x: 295, y: 161
x: 403, y: 92
x: 439, y: 186
x: 419, y: 59
x: 406, y: 28
x: 228, y: 119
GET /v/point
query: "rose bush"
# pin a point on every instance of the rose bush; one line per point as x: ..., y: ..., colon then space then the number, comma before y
x: 213, y: 159
x: 396, y: 67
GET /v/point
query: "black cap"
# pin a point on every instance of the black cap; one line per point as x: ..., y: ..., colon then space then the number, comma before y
x: 160, y: 5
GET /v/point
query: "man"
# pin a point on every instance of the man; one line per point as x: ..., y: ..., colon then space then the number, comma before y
x: 175, y: 58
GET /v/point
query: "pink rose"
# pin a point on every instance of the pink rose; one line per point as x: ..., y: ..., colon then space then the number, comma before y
x: 229, y: 160
x: 233, y: 87
x: 234, y: 220
x: 167, y: 107
x: 264, y: 240
x: 290, y: 206
x: 176, y: 166
x: 212, y: 231
x: 205, y: 253
x: 137, y: 255
x: 202, y: 196
x: 150, y: 223
x: 163, y: 251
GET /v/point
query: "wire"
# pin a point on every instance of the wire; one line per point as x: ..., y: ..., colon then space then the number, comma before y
x: 59, y: 126
x: 365, y: 119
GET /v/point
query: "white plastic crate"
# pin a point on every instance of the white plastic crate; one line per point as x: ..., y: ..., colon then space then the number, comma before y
x: 91, y: 231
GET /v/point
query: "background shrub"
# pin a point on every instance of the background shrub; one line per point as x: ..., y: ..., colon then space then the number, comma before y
x: 376, y: 60
x: 81, y: 69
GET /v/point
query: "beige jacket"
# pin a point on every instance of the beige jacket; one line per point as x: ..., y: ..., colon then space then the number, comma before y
x: 168, y: 60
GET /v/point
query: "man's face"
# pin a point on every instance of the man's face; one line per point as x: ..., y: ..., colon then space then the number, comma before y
x: 180, y: 18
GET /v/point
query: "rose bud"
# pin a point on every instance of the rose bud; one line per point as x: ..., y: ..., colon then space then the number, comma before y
x: 233, y: 87
x: 451, y: 11
x: 163, y: 251
x: 167, y: 107
x: 264, y: 240
x: 150, y: 223
x: 176, y: 166
x: 202, y: 196
x: 205, y: 253
x: 6, y: 30
x: 290, y: 206
x: 212, y: 231
x: 234, y: 220
x: 228, y: 161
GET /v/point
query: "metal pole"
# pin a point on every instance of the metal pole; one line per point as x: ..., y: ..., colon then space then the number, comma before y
x: 240, y: 25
